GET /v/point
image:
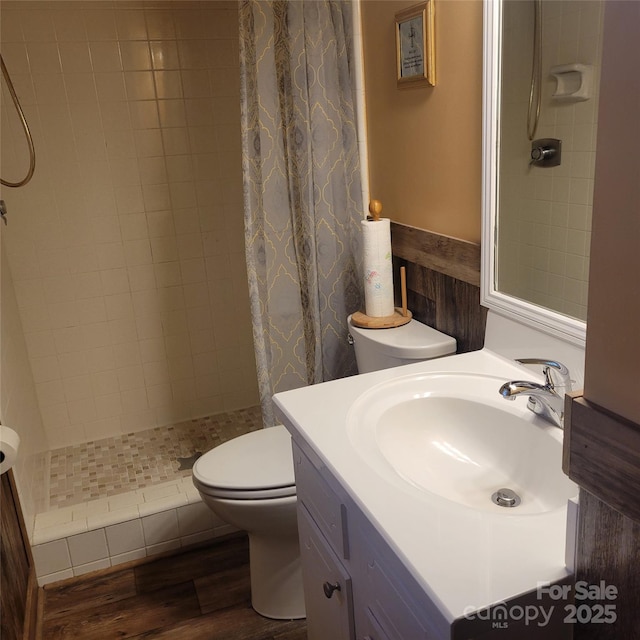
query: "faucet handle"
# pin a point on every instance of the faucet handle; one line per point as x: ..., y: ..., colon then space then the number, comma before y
x: 548, y: 366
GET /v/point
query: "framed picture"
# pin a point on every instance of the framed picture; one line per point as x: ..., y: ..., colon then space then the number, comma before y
x: 415, y: 46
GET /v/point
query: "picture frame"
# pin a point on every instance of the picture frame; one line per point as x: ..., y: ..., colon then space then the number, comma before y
x: 415, y: 46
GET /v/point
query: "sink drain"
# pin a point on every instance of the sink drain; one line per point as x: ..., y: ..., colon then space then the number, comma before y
x: 506, y: 498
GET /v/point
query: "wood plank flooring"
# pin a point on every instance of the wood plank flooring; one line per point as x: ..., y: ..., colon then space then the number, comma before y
x: 201, y: 594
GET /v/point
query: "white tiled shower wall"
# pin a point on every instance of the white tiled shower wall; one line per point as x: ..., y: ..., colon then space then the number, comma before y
x: 127, y: 248
x: 545, y: 217
x: 18, y: 401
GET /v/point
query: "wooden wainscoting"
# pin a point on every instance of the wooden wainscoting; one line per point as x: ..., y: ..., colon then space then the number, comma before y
x: 609, y: 551
x: 458, y: 259
x: 18, y: 585
x: 602, y: 454
x: 443, y: 282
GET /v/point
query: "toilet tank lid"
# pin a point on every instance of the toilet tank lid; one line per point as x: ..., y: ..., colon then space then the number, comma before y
x: 257, y: 460
x: 413, y: 340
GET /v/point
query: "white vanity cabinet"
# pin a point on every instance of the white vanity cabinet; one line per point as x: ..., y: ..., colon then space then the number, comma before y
x: 355, y: 588
x: 408, y: 563
x: 327, y: 584
x: 324, y: 548
x: 388, y: 604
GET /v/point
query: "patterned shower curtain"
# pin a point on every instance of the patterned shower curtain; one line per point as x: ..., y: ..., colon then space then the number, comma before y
x: 302, y: 189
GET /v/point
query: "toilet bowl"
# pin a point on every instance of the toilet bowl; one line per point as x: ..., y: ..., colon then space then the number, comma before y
x: 249, y: 481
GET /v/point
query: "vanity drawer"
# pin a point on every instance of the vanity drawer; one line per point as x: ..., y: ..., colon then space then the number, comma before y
x: 328, y: 591
x: 324, y: 505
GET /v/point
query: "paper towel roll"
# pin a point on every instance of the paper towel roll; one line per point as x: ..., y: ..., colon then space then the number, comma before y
x: 378, y: 271
x: 9, y: 443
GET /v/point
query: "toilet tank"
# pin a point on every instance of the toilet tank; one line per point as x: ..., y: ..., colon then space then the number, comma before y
x: 385, y: 348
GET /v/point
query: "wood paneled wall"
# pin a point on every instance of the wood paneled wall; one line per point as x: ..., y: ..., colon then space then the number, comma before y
x: 609, y: 551
x: 18, y: 586
x: 443, y: 283
x: 602, y: 455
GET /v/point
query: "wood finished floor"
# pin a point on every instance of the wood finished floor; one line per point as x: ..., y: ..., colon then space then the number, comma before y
x: 202, y: 594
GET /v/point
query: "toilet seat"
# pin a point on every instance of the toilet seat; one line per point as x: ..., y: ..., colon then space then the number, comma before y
x: 254, y: 466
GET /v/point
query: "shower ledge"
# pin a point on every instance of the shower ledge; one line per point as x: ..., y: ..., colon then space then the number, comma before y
x: 98, y: 534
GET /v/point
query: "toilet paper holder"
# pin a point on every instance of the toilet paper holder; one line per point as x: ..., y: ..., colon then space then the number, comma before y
x: 9, y: 443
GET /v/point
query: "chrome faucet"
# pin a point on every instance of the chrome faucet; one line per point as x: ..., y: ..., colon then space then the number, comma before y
x: 545, y: 400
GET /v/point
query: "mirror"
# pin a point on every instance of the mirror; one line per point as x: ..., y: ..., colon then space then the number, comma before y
x: 536, y: 210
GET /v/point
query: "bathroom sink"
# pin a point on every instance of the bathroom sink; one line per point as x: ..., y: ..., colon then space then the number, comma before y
x: 453, y: 436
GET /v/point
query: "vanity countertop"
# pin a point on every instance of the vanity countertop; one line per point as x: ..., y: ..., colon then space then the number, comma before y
x: 464, y: 559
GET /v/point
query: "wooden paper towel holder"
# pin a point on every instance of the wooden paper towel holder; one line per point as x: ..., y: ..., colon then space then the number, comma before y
x: 401, y: 315
x: 385, y: 322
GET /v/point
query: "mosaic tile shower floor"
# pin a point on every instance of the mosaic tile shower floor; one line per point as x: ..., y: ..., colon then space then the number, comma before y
x: 112, y: 466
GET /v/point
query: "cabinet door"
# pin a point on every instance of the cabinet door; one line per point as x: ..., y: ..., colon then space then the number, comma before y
x: 327, y: 585
x: 324, y: 505
x: 388, y: 603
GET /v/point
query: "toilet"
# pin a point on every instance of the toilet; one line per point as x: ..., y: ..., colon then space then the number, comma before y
x: 249, y: 481
x: 385, y: 348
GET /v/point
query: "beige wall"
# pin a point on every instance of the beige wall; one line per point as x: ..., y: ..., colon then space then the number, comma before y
x: 18, y: 401
x: 613, y: 322
x: 425, y: 144
x: 127, y: 248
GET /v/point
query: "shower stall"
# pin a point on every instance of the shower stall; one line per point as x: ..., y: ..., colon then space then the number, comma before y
x: 125, y: 307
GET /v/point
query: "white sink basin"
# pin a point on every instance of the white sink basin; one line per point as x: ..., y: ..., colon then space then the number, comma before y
x: 453, y: 436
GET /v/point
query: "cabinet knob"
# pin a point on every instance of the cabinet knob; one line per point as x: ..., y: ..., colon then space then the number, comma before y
x: 330, y: 588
